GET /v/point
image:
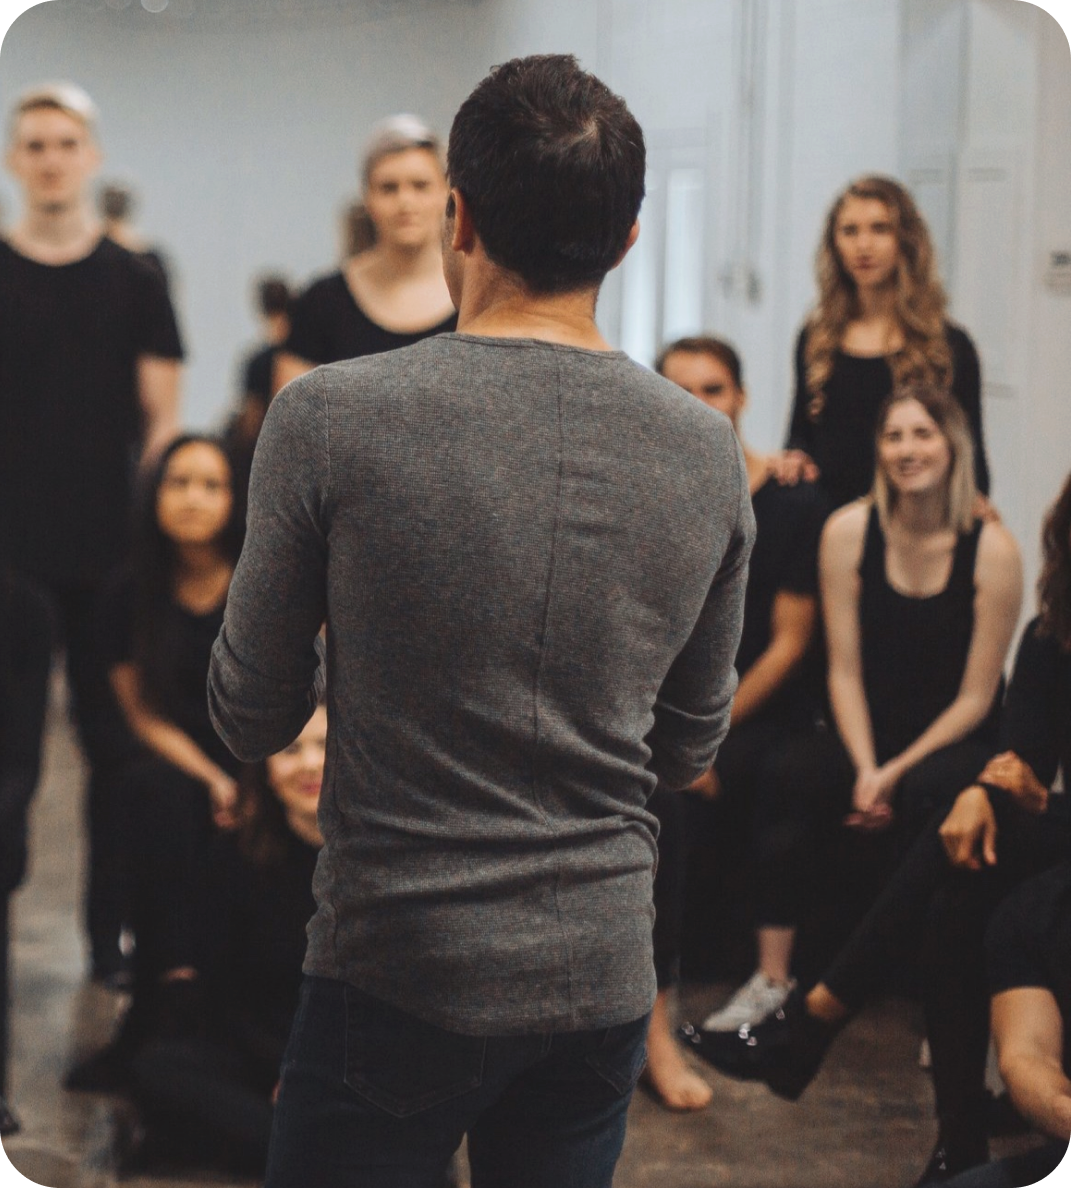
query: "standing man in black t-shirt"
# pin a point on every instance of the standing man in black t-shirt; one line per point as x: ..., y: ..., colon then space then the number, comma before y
x: 90, y: 360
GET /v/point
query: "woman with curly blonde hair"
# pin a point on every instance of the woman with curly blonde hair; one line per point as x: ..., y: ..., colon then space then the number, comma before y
x: 879, y: 324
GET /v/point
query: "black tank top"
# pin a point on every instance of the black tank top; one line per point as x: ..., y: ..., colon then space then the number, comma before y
x: 914, y: 648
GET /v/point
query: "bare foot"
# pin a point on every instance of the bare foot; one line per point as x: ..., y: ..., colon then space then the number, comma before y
x: 667, y: 1073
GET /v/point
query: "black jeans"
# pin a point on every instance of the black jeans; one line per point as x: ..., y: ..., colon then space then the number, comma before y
x: 374, y: 1096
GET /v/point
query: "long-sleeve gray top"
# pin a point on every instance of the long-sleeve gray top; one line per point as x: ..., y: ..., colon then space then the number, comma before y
x: 531, y: 560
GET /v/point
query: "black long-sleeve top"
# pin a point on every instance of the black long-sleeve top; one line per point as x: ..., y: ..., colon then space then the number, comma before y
x: 840, y: 437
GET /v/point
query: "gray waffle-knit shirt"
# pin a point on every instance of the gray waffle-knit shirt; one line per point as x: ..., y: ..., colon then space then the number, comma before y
x: 531, y: 560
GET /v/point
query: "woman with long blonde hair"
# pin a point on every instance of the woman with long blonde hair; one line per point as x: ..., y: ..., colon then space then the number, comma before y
x: 879, y: 324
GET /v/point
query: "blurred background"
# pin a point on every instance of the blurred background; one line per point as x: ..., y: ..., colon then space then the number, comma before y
x: 238, y: 123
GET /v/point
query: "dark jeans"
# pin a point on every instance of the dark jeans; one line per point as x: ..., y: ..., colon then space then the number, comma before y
x: 373, y: 1096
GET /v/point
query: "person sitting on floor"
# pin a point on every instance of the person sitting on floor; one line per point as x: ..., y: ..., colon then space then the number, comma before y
x: 209, y: 1091
x: 1002, y: 829
x: 774, y: 699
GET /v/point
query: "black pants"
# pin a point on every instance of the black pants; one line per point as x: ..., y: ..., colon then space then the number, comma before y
x: 107, y: 743
x: 747, y: 805
x: 169, y: 829
x: 5, y: 1000
x: 212, y: 1100
x: 809, y: 860
x: 942, y: 912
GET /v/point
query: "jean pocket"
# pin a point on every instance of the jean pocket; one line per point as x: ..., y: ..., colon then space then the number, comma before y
x: 620, y: 1057
x: 403, y: 1065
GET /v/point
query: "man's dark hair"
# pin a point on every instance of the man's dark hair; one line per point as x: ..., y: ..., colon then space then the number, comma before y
x: 273, y: 296
x: 551, y: 164
x: 704, y: 344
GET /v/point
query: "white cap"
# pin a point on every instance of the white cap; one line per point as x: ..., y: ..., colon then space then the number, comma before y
x: 67, y: 96
x: 394, y: 135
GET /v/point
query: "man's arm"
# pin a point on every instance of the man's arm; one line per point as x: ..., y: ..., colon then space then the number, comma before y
x: 692, y: 708
x: 266, y: 678
x: 1028, y: 1031
x: 159, y: 396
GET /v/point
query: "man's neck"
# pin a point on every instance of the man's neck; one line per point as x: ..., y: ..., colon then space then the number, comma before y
x: 56, y: 236
x: 498, y: 307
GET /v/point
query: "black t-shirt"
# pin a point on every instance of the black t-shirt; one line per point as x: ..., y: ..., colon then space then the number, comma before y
x: 257, y: 373
x: 327, y: 325
x: 840, y: 437
x: 785, y: 558
x: 70, y: 419
x: 1029, y: 943
x: 188, y: 639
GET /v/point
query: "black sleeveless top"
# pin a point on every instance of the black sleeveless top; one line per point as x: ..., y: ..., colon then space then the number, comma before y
x: 914, y: 648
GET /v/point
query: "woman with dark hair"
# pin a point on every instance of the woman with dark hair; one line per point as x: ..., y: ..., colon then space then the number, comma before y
x: 207, y: 1092
x: 159, y: 620
x: 879, y: 324
x: 391, y: 294
x: 1005, y: 826
x: 920, y: 601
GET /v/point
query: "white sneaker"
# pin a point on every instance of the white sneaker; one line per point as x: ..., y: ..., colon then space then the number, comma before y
x: 756, y: 998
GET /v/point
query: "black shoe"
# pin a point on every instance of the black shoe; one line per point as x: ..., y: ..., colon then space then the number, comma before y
x: 785, y: 1050
x: 9, y: 1120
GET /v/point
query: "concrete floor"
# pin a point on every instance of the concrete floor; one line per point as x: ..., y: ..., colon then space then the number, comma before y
x: 865, y: 1123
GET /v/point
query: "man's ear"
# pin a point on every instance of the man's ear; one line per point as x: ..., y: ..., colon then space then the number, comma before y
x: 633, y: 235
x: 462, y: 234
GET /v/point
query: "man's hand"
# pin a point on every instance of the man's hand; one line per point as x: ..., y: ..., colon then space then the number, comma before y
x: 969, y: 832
x: 1017, y: 778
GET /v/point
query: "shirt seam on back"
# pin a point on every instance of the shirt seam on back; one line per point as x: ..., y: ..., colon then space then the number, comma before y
x: 537, y: 688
